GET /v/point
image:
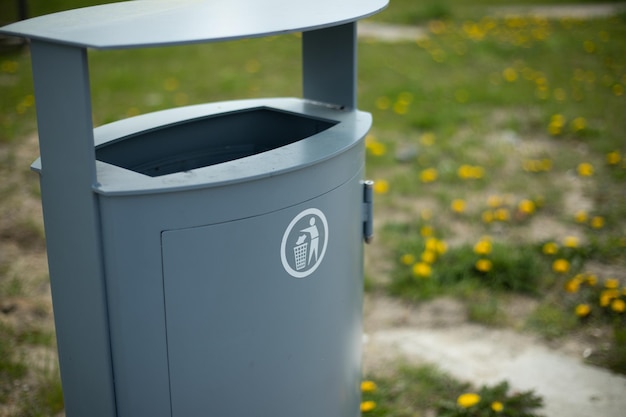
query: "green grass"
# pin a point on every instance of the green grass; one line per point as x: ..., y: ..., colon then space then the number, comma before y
x: 411, y: 12
x: 488, y: 91
x: 477, y: 92
x: 412, y: 391
x: 551, y: 321
x: 514, y: 268
x: 455, y: 80
x: 11, y: 367
x: 418, y: 391
x: 153, y: 79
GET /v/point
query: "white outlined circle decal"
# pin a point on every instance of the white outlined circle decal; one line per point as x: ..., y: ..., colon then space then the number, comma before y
x: 304, y: 243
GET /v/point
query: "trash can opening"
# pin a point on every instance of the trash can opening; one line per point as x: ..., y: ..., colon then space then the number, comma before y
x: 211, y: 140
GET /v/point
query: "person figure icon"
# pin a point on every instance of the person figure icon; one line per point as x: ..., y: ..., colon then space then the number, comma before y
x: 314, y: 235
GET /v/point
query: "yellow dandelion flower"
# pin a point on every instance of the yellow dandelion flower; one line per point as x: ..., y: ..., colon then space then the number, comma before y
x: 560, y: 266
x: 581, y: 216
x: 442, y: 247
x: 383, y: 103
x: 611, y: 283
x: 510, y: 74
x: 170, y: 84
x: 426, y: 231
x: 427, y: 139
x: 619, y: 306
x: 502, y: 214
x: 464, y: 171
x: 181, y: 99
x: 605, y: 300
x: 604, y: 35
x: 381, y: 186
x: 550, y: 248
x: 570, y: 242
x: 428, y: 257
x: 29, y: 100
x: 407, y: 259
x: 367, y: 406
x: 376, y: 148
x: 487, y: 216
x: 585, y: 169
x: 613, y: 158
x: 483, y: 247
x: 597, y: 222
x: 555, y: 129
x: 431, y: 244
x: 497, y: 406
x: 478, y: 172
x: 400, y: 108
x: 583, y: 310
x: 458, y: 205
x: 560, y: 94
x: 368, y: 386
x: 607, y: 296
x: 589, y: 46
x: 541, y: 81
x: 468, y: 399
x: 133, y: 111
x: 530, y: 165
x: 573, y: 285
x: 9, y: 67
x: 437, y: 26
x: 422, y: 270
x: 483, y: 265
x: 591, y: 279
x: 428, y: 175
x: 423, y: 43
x: 494, y: 201
x: 526, y: 206
x: 405, y: 97
x: 579, y: 123
x: 470, y: 172
x: 557, y: 120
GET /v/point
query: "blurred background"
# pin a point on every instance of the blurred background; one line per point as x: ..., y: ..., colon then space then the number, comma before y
x: 498, y: 152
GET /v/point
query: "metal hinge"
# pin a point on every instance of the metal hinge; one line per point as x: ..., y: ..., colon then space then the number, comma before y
x: 368, y: 210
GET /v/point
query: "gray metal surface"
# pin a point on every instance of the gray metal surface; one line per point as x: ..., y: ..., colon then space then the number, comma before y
x: 247, y: 339
x: 329, y: 65
x: 72, y: 227
x: 166, y: 22
x: 112, y: 180
x: 133, y: 227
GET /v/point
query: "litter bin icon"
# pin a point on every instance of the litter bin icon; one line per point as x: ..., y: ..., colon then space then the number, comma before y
x: 300, y: 252
x: 210, y: 261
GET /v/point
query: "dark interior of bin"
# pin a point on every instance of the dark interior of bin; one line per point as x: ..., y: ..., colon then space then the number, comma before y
x: 208, y: 141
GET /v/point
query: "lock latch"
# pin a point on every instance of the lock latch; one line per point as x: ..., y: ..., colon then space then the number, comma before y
x: 368, y: 210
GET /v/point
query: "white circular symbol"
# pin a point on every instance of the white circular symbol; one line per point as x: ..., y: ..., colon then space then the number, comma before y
x: 304, y: 243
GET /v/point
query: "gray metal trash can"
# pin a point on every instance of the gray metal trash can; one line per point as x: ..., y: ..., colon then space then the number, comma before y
x: 205, y: 260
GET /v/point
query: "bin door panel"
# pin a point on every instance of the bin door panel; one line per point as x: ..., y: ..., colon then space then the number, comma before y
x: 248, y: 338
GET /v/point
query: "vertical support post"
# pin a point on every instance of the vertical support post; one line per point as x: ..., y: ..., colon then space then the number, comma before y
x: 22, y: 10
x: 68, y: 175
x: 329, y: 65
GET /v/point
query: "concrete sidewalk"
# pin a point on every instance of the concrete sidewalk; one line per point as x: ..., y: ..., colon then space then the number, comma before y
x: 437, y: 333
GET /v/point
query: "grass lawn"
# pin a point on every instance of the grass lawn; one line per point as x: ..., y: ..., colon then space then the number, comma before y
x: 498, y: 151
